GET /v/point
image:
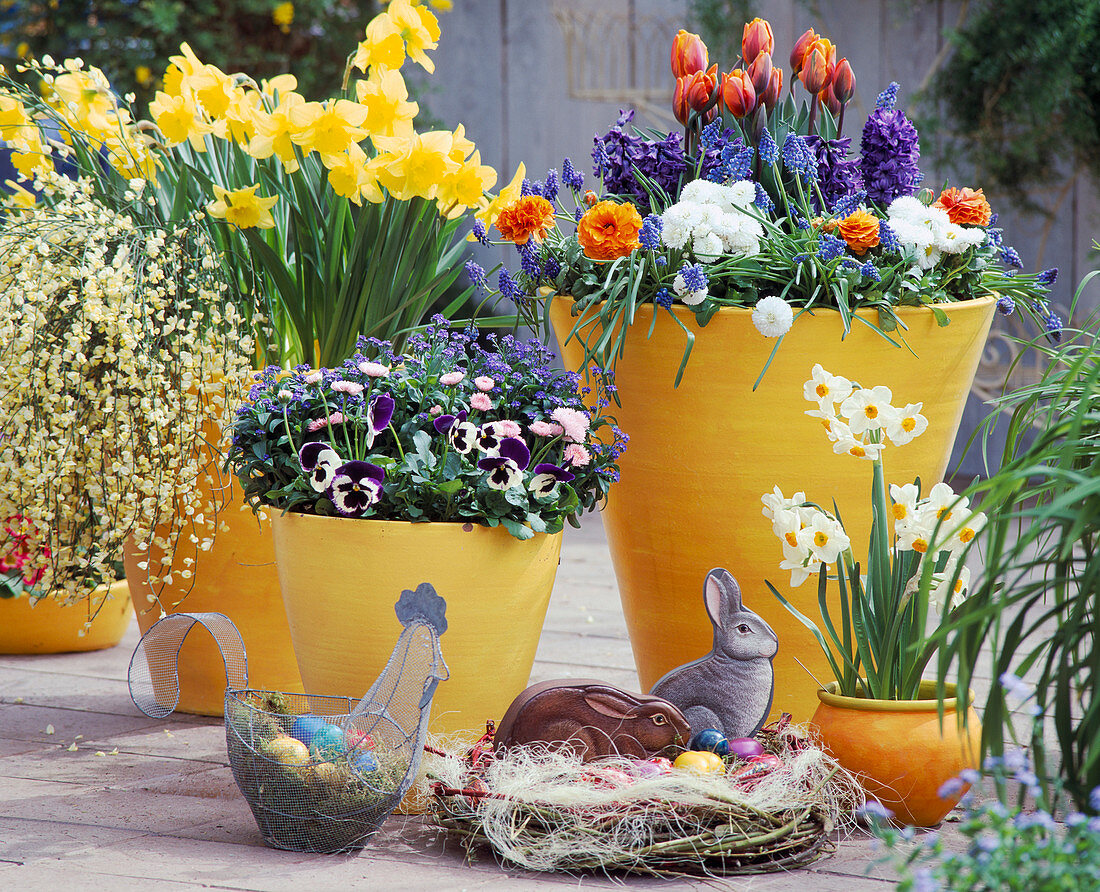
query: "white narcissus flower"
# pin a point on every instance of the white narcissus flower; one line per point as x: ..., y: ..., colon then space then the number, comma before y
x: 775, y: 501
x: 904, y: 506
x: 847, y: 443
x: 825, y: 388
x: 796, y: 558
x: 948, y: 591
x: 868, y: 409
x: 906, y: 425
x: 824, y: 538
x: 772, y: 316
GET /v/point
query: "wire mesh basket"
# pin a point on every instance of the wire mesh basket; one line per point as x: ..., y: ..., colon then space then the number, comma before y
x: 320, y: 773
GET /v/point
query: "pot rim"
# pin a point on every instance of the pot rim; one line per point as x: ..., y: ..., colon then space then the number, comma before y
x: 829, y: 697
x: 276, y: 515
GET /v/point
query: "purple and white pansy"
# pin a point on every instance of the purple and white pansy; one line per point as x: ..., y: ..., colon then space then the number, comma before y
x: 319, y: 461
x: 356, y: 486
x: 547, y: 476
x: 379, y: 415
x: 461, y: 434
x: 507, y: 466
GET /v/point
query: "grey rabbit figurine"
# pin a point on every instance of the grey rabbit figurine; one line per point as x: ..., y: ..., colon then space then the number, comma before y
x: 731, y: 688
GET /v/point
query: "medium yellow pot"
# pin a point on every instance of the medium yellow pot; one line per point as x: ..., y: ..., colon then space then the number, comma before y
x: 50, y: 627
x: 701, y: 456
x: 899, y: 750
x: 237, y: 577
x: 341, y: 578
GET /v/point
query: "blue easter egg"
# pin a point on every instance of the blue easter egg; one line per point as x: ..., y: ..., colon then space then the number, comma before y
x: 306, y: 726
x: 710, y: 739
x: 363, y: 761
x: 328, y: 742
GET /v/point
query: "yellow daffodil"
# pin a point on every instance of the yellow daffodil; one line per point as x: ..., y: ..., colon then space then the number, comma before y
x: 415, y: 166
x: 213, y: 90
x: 275, y: 131
x: 178, y: 120
x: 385, y: 96
x: 328, y: 128
x: 18, y: 197
x: 87, y: 102
x: 243, y: 207
x: 402, y: 29
x: 240, y: 116
x: 442, y: 5
x: 187, y: 63
x: 507, y: 195
x: 465, y: 188
x: 461, y: 147
x: 32, y: 161
x: 143, y: 74
x: 13, y: 117
x: 173, y: 80
x: 279, y: 85
x: 283, y: 16
x: 348, y: 173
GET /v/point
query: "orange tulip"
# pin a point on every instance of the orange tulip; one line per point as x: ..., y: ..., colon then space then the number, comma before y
x: 843, y: 82
x: 815, y: 73
x: 801, y: 47
x: 693, y: 92
x: 756, y: 39
x: 827, y: 98
x: 689, y: 54
x: 761, y: 72
x: 775, y: 88
x: 738, y: 93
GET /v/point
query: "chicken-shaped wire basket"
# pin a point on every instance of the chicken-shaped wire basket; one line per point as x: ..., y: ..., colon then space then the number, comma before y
x: 320, y: 773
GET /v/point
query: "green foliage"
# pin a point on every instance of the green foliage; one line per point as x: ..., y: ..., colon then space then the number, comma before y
x: 1037, y: 603
x: 1021, y: 93
x: 121, y: 36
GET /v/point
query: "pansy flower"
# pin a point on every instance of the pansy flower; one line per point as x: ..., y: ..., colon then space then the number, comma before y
x: 546, y: 477
x: 489, y: 439
x: 355, y: 487
x: 319, y: 461
x: 378, y: 416
x: 460, y: 433
x: 507, y: 466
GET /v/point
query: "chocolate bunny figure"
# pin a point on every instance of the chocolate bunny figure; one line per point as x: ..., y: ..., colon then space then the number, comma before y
x: 592, y: 718
x: 731, y: 688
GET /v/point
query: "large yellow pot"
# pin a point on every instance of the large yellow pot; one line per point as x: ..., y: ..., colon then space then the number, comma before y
x: 341, y: 578
x: 237, y: 577
x: 50, y: 627
x: 899, y: 750
x: 701, y: 456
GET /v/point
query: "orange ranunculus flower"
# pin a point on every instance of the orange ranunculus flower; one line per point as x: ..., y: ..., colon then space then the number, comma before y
x: 609, y: 230
x: 689, y: 54
x: 860, y: 230
x: 529, y: 216
x: 965, y: 206
x: 756, y: 39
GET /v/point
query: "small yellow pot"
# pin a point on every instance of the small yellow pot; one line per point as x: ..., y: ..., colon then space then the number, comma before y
x: 898, y: 749
x: 50, y: 627
x: 341, y: 578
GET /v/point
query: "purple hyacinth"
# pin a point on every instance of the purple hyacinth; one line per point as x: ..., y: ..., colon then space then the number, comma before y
x: 838, y: 174
x: 889, y: 155
x: 571, y: 177
x: 619, y: 155
x: 355, y: 487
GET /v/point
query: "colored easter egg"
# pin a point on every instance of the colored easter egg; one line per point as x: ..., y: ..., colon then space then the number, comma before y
x: 363, y: 761
x: 305, y: 726
x: 700, y: 762
x: 745, y: 747
x: 287, y: 750
x: 710, y: 739
x: 358, y: 740
x: 327, y: 742
x: 655, y: 767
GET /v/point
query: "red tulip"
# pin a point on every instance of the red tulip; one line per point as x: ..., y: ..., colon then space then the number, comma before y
x: 738, y: 93
x: 757, y: 39
x: 815, y: 73
x: 801, y: 47
x: 689, y: 54
x: 775, y: 88
x: 761, y: 72
x: 843, y: 82
x: 693, y: 92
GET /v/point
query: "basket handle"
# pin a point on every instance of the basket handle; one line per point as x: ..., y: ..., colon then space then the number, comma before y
x: 154, y: 666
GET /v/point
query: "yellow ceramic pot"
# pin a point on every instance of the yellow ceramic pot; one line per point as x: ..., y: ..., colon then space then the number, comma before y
x: 701, y: 456
x: 341, y: 578
x: 237, y: 577
x: 899, y: 750
x: 52, y: 628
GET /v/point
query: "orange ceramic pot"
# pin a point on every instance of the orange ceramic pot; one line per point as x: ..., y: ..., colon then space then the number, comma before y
x: 237, y: 577
x: 702, y: 454
x: 899, y: 750
x: 341, y: 578
x: 50, y: 627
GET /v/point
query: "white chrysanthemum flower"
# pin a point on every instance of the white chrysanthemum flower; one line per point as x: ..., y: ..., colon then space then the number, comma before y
x: 705, y: 192
x: 772, y: 316
x: 955, y: 239
x: 906, y: 208
x: 906, y: 425
x: 740, y: 233
x: 675, y: 235
x: 742, y: 193
x: 911, y: 235
x: 706, y: 246
x: 868, y: 409
x: 687, y: 297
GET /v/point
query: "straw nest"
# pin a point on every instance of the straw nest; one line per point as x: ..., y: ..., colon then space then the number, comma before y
x: 546, y: 810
